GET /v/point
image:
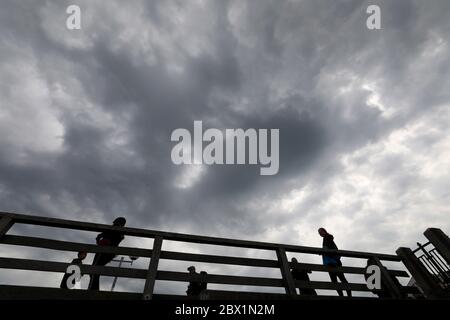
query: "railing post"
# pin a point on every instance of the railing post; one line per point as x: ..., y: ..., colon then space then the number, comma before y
x: 288, y: 280
x: 420, y: 274
x: 5, y: 224
x: 152, y: 269
x: 440, y: 241
x: 386, y: 279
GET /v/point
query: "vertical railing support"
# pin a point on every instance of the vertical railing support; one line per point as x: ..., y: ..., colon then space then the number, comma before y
x: 288, y: 280
x: 440, y: 241
x: 423, y: 278
x: 152, y: 269
x: 5, y: 224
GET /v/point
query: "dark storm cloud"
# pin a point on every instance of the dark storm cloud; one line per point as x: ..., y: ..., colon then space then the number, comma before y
x: 114, y: 91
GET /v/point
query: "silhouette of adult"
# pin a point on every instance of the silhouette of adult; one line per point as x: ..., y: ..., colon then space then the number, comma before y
x: 194, y: 287
x: 77, y: 261
x: 203, y: 283
x: 203, y: 286
x: 301, y: 274
x: 332, y: 260
x: 107, y: 238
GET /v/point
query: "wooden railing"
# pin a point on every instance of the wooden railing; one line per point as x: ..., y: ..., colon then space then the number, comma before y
x: 153, y: 273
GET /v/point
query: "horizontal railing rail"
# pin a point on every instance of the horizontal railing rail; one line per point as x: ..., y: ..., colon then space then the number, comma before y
x: 73, y: 246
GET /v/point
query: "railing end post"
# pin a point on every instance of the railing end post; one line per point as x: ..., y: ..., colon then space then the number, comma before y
x: 440, y: 241
x: 419, y: 273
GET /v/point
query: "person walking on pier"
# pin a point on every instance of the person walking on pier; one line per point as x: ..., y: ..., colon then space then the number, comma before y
x: 332, y: 260
x: 106, y: 238
x: 203, y: 286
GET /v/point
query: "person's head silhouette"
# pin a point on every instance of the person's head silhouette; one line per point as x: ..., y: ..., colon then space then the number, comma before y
x: 322, y: 232
x: 191, y: 269
x: 82, y: 255
x: 119, y: 222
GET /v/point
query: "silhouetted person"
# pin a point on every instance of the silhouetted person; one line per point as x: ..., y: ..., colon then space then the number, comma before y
x: 78, y: 261
x: 106, y: 238
x: 194, y: 287
x: 203, y: 285
x: 301, y: 274
x: 381, y: 293
x: 332, y: 260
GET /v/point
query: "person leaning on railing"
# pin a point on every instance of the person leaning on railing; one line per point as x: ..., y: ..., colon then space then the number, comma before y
x: 300, y: 274
x: 107, y: 238
x: 197, y: 289
x: 194, y: 287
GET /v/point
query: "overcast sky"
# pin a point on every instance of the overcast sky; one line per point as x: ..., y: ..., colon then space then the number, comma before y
x: 86, y: 116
